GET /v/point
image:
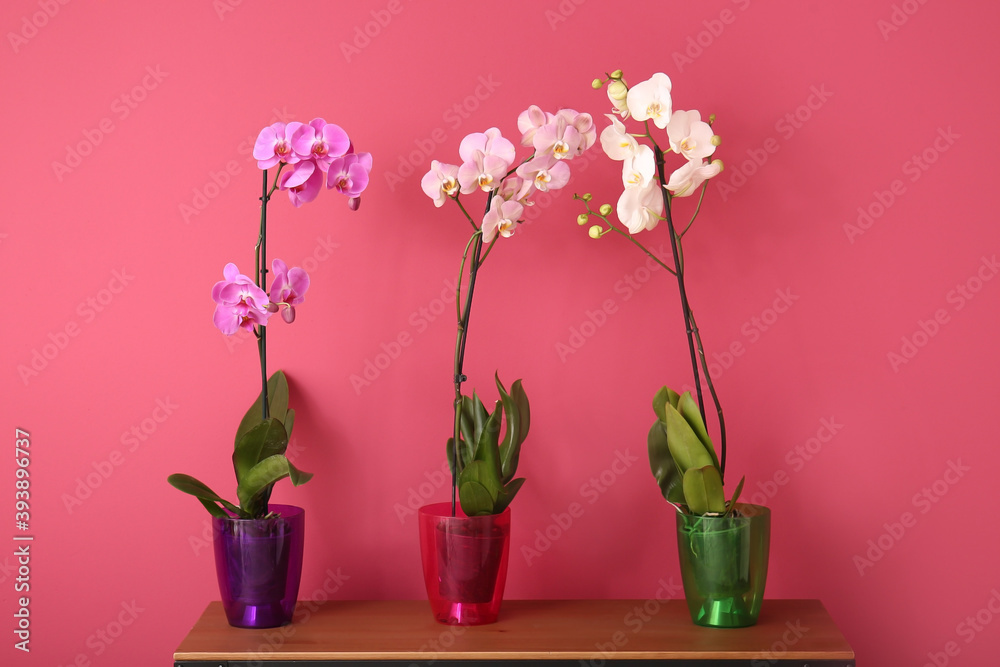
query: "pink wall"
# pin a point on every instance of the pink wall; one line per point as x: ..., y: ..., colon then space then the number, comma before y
x: 889, y: 83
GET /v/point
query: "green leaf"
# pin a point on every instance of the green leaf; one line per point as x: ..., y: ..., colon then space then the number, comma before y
x: 507, y: 494
x: 475, y: 498
x: 473, y: 417
x: 265, y: 474
x: 265, y: 440
x: 661, y: 398
x: 703, y: 490
x: 736, y: 495
x: 668, y: 477
x: 488, y: 447
x: 688, y: 407
x: 192, y: 486
x: 515, y: 405
x: 289, y: 422
x: 277, y: 401
x: 686, y: 448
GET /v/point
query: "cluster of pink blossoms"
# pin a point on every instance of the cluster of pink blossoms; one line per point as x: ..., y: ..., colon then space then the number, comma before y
x: 239, y: 303
x: 487, y: 158
x: 311, y: 155
x: 306, y: 157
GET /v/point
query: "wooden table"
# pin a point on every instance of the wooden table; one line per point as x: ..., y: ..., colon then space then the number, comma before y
x: 564, y: 633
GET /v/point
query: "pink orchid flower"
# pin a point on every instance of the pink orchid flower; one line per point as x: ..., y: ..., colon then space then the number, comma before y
x: 584, y: 124
x: 558, y: 138
x: 303, y: 182
x: 274, y: 145
x: 545, y: 173
x: 349, y: 174
x: 486, y: 157
x: 502, y: 217
x: 686, y: 180
x: 321, y: 141
x: 440, y: 183
x: 288, y: 288
x: 690, y: 136
x: 529, y: 121
x: 515, y: 188
x: 239, y: 302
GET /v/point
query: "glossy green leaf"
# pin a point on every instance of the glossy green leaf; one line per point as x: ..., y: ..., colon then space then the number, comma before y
x: 688, y: 407
x: 668, y: 477
x: 289, y: 422
x: 265, y: 474
x: 263, y: 441
x: 192, y: 486
x: 686, y: 448
x: 475, y: 498
x: 277, y: 402
x: 703, y: 490
x: 661, y: 398
x: 736, y: 495
x: 515, y: 406
x: 507, y: 494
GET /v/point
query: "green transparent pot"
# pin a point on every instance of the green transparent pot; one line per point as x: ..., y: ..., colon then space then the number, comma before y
x: 724, y: 565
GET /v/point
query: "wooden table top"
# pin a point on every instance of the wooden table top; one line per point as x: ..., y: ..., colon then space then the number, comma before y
x: 527, y: 629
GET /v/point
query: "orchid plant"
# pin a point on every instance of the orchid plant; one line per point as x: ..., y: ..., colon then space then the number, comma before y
x: 306, y: 157
x: 482, y: 465
x: 681, y: 453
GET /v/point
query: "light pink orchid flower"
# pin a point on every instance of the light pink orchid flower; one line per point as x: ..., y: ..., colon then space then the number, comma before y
x: 617, y: 143
x: 441, y: 182
x: 545, y: 172
x: 502, y: 218
x: 529, y: 121
x: 558, y: 138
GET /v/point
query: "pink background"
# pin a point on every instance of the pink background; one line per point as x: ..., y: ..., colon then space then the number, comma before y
x: 881, y: 94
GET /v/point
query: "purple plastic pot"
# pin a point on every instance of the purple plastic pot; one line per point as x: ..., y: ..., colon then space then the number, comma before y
x: 259, y: 564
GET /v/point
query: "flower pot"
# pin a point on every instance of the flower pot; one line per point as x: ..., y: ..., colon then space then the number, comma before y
x: 465, y: 563
x: 259, y: 564
x: 724, y: 565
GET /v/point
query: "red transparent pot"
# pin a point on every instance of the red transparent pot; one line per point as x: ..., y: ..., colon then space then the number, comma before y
x: 465, y: 563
